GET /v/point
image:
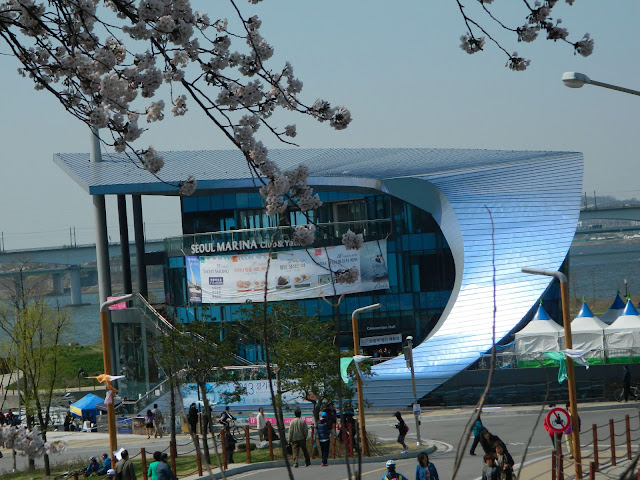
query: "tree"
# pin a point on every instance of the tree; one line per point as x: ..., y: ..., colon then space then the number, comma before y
x: 303, y: 350
x: 204, y: 350
x: 34, y: 332
x: 538, y: 20
x: 106, y: 65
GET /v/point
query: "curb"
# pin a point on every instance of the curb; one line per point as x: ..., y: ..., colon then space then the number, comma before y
x: 280, y: 463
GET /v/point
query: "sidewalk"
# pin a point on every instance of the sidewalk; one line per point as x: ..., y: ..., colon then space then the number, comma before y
x: 541, y: 469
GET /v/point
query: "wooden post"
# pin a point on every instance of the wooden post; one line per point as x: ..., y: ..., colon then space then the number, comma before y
x: 247, y: 443
x: 612, y: 436
x: 594, y: 427
x: 627, y: 424
x: 224, y: 450
x: 313, y: 442
x: 554, y: 461
x: 592, y: 471
x: 560, y: 464
x: 350, y: 433
x: 173, y: 451
x: 269, y: 431
x: 75, y: 475
x: 198, y: 457
x: 143, y: 456
x: 334, y: 439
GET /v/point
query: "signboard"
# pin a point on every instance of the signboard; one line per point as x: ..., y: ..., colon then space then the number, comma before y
x: 257, y: 394
x: 117, y: 306
x: 293, y: 274
x: 558, y: 419
x: 381, y: 340
x: 124, y: 425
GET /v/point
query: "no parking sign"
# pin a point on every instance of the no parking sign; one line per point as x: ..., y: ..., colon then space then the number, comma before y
x: 558, y: 419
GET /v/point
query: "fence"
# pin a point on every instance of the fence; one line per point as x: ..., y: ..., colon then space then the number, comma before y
x: 609, y: 443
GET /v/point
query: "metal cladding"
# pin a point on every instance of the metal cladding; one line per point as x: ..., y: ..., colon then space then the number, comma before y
x: 497, y: 220
x: 499, y: 211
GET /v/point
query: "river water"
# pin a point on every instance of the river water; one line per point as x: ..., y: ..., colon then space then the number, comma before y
x: 597, y: 270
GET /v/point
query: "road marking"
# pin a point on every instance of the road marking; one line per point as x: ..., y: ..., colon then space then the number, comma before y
x: 383, y: 469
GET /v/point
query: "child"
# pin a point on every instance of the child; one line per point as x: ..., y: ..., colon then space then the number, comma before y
x: 504, y: 462
x: 490, y: 471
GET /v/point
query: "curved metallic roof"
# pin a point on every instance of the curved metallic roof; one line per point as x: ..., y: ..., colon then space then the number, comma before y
x: 213, y: 169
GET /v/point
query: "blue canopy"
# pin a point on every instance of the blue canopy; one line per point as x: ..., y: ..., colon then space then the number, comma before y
x: 86, y: 406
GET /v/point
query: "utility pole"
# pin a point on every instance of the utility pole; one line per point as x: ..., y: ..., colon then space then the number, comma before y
x: 408, y: 355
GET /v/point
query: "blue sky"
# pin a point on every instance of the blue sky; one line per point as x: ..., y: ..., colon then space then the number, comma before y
x: 398, y: 67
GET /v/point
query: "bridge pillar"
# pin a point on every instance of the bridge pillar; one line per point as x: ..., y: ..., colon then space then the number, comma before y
x: 76, y: 286
x: 58, y: 283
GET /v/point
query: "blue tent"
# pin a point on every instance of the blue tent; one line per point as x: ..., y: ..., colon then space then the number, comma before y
x: 86, y: 406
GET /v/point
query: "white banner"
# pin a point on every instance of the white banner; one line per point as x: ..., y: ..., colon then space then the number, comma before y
x: 293, y: 274
x: 257, y: 393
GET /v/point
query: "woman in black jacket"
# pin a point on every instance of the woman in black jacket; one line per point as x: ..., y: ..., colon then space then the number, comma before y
x: 488, y: 442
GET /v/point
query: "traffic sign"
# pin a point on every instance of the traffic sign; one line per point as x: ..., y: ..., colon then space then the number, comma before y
x: 558, y: 419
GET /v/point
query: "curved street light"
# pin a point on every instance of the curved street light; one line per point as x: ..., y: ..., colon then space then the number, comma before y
x: 577, y: 80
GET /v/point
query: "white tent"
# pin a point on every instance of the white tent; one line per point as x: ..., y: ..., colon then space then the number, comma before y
x: 541, y: 334
x: 615, y: 310
x: 622, y: 337
x: 587, y: 333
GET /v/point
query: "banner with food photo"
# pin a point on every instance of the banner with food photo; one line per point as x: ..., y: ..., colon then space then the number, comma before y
x: 293, y: 274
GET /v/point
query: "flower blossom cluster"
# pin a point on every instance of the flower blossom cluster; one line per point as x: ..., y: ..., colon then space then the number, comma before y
x: 538, y: 19
x: 304, y: 235
x: 107, y: 72
x: 351, y: 241
x: 350, y: 275
x: 28, y: 442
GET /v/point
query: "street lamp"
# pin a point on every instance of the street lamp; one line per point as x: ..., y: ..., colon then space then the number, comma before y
x: 356, y: 351
x: 106, y: 359
x: 571, y: 379
x: 577, y: 80
x: 408, y: 355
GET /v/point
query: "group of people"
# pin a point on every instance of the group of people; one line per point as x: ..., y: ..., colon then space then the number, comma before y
x: 9, y: 419
x: 498, y: 462
x: 124, y: 468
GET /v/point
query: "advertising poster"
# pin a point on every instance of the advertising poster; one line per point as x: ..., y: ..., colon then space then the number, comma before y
x: 293, y: 274
x: 257, y: 394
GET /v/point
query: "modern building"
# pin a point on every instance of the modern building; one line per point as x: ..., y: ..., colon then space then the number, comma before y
x: 446, y: 233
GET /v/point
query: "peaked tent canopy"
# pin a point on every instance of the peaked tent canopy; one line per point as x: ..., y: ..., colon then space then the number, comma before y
x: 541, y: 334
x: 622, y: 337
x: 587, y: 333
x: 615, y: 310
x: 86, y: 406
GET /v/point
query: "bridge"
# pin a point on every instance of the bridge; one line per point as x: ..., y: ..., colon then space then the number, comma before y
x: 621, y: 212
x: 60, y: 262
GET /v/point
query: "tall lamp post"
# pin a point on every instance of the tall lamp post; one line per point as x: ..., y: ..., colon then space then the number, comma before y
x: 577, y: 80
x: 106, y: 359
x: 356, y: 351
x: 408, y: 355
x: 571, y: 379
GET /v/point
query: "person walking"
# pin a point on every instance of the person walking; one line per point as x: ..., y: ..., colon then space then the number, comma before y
x: 148, y: 423
x: 626, y: 384
x: 504, y: 462
x: 477, y: 433
x: 192, y: 418
x: 158, y: 420
x: 425, y: 470
x: 261, y: 423
x: 402, y: 431
x: 488, y: 441
x: 124, y: 468
x: 490, y: 471
x: 153, y: 467
x: 298, y: 432
x: 324, y: 438
x: 391, y: 472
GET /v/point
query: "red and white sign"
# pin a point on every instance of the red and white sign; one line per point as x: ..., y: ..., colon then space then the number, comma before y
x: 558, y: 419
x: 117, y: 306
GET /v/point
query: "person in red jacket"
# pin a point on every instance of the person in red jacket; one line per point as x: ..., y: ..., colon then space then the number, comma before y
x: 555, y: 437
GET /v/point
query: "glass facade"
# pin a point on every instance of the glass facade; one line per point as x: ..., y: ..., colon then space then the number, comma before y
x: 420, y: 264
